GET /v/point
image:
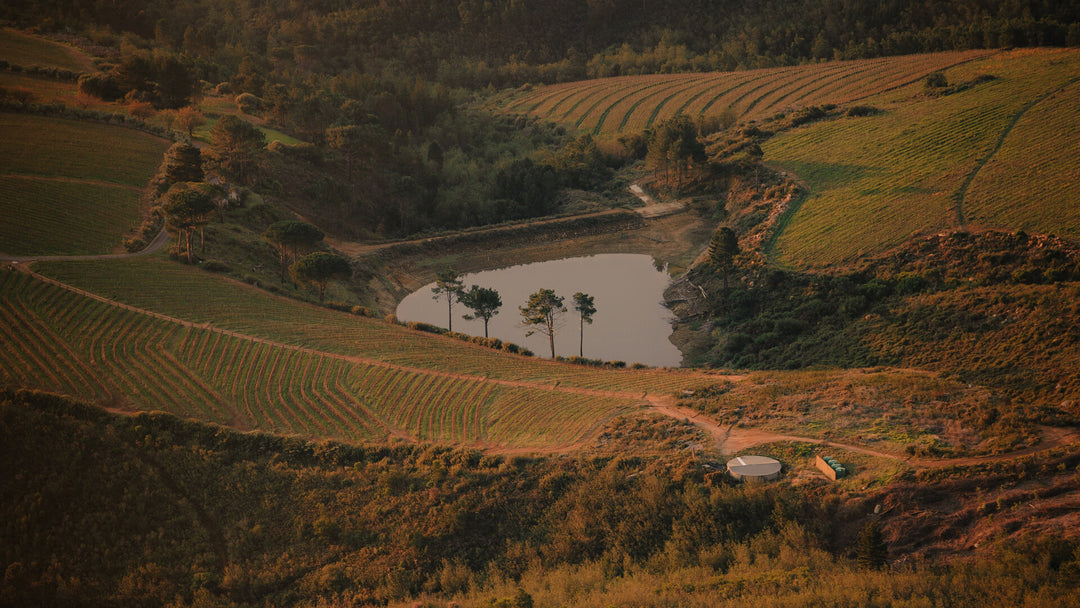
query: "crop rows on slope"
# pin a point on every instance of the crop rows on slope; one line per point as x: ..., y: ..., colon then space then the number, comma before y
x: 876, y: 181
x: 531, y: 417
x: 1012, y: 191
x: 47, y: 217
x: 60, y: 147
x: 82, y: 347
x: 33, y: 356
x: 285, y: 390
x: 78, y: 345
x: 629, y: 104
x: 27, y: 51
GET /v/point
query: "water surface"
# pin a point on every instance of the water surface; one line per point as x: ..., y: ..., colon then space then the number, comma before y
x: 631, y: 324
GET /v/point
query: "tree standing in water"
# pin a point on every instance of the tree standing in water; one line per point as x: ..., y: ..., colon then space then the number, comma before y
x: 448, y: 285
x: 583, y: 303
x: 542, y: 313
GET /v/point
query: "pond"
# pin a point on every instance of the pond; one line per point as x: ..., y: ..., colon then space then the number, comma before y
x: 631, y: 323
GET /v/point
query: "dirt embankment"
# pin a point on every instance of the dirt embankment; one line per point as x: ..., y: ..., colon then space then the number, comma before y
x: 401, y: 268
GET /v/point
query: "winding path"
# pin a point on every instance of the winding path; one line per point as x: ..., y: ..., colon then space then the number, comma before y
x: 961, y: 192
x: 155, y: 245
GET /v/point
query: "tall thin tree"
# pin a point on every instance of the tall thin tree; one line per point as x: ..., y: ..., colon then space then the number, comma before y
x: 448, y: 285
x: 583, y: 304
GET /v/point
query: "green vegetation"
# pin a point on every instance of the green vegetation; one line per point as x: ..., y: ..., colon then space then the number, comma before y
x: 41, y: 216
x: 166, y: 288
x: 992, y: 309
x: 361, y: 462
x: 154, y: 510
x: 62, y: 194
x: 918, y: 167
x: 72, y: 344
x: 25, y: 50
x: 62, y: 148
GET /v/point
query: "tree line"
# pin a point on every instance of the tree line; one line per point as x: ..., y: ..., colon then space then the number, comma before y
x: 474, y: 44
x: 542, y: 313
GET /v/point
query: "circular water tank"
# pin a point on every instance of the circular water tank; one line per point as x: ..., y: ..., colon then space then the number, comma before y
x: 754, y: 468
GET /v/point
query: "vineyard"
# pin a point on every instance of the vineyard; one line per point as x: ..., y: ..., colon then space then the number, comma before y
x: 614, y: 106
x: 69, y: 343
x: 61, y: 194
x: 999, y: 152
x: 166, y: 288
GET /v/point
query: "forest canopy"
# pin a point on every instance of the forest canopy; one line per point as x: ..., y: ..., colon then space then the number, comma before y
x: 509, y: 42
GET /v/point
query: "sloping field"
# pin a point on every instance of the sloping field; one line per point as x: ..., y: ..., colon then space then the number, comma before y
x: 612, y: 106
x: 51, y: 217
x: 62, y: 341
x: 24, y: 50
x: 1030, y: 182
x: 200, y: 297
x: 1000, y: 153
x: 62, y: 193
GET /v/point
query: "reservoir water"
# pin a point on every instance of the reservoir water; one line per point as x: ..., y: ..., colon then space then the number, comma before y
x: 631, y: 323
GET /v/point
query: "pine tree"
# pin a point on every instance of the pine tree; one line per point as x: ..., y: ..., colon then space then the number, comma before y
x: 872, y: 548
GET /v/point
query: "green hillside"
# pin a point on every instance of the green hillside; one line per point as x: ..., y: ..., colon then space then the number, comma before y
x: 71, y: 187
x: 996, y: 153
x: 27, y: 51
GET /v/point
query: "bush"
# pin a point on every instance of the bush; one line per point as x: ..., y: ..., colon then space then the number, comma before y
x: 935, y: 80
x: 248, y: 103
x: 101, y: 86
x: 303, y: 151
x: 216, y: 266
x: 362, y: 311
x: 426, y: 327
x: 859, y: 111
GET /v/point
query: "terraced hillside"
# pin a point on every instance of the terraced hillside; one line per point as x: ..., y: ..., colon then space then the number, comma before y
x: 998, y: 148
x: 612, y: 106
x: 62, y: 193
x: 300, y: 370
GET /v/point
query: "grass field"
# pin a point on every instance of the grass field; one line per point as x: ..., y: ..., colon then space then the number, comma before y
x: 614, y: 106
x: 65, y: 342
x: 24, y: 50
x: 50, y: 217
x: 59, y: 147
x: 937, y: 162
x: 62, y: 193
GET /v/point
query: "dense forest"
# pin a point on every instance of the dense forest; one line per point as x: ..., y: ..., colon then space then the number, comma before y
x: 510, y: 42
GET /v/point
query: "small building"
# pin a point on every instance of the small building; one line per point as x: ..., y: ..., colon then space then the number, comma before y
x: 830, y: 467
x: 754, y: 468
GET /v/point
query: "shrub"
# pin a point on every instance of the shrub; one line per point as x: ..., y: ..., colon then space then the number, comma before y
x: 303, y: 150
x: 935, y: 80
x: 248, y: 103
x: 362, y: 311
x: 426, y: 327
x: 859, y: 111
x: 216, y: 266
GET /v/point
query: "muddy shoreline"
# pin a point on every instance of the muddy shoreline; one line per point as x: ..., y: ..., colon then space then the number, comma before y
x: 675, y: 241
